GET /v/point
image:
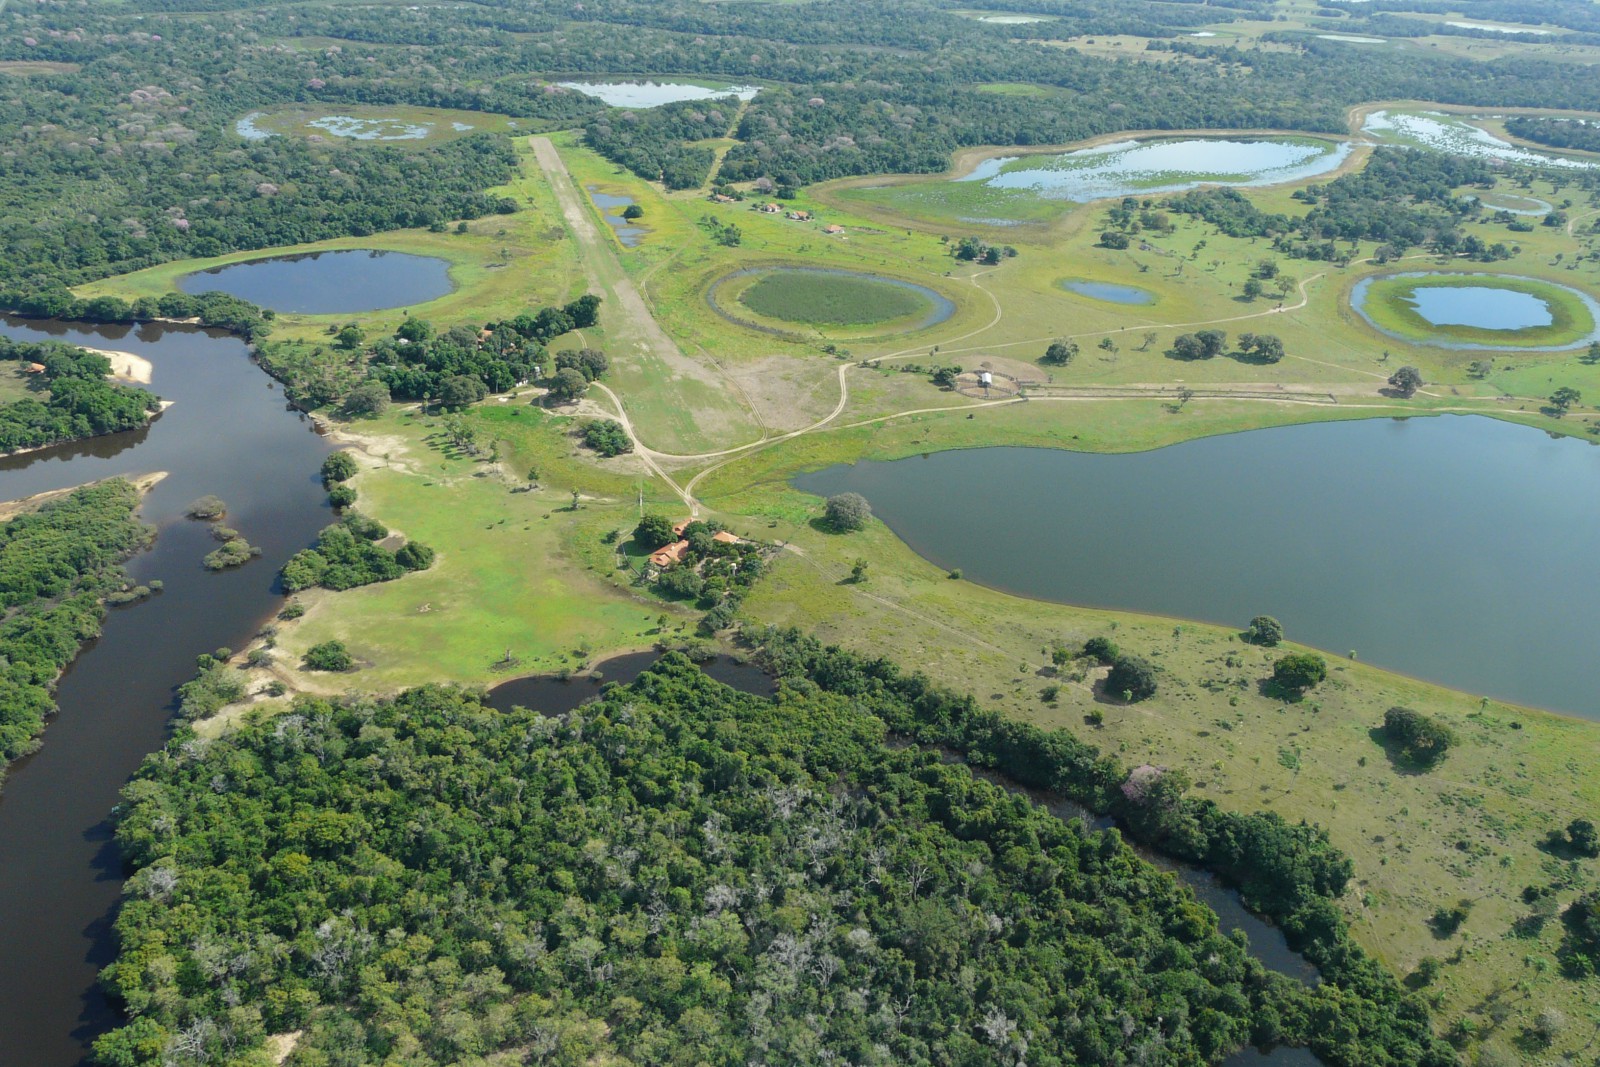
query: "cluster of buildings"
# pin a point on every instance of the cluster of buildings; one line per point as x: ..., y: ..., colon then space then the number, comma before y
x: 672, y: 555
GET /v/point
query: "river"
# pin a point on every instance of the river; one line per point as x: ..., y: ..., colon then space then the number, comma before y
x: 229, y: 433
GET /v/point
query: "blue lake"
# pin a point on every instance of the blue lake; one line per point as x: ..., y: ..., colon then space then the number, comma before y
x: 1483, y: 307
x: 1127, y: 168
x: 1109, y: 291
x: 329, y: 283
x: 1459, y: 549
x: 1479, y: 306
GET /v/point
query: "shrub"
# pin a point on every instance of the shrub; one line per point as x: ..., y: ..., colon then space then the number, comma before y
x: 1264, y: 630
x: 680, y: 583
x: 1580, y: 839
x: 233, y: 553
x: 328, y: 656
x: 847, y: 511
x: 414, y: 556
x: 1406, y: 381
x: 1101, y: 649
x: 1132, y: 677
x: 607, y: 437
x: 1299, y: 671
x: 339, y: 467
x: 1421, y: 741
x: 341, y: 496
x: 207, y: 509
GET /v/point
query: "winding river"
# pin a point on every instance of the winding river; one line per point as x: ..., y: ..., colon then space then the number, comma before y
x: 229, y: 433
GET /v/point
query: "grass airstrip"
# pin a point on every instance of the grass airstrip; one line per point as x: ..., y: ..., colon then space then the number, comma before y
x: 529, y: 579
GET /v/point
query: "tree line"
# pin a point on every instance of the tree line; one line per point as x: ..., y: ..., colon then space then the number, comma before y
x: 57, y: 564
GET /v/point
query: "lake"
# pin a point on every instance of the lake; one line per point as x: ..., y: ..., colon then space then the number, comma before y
x: 1455, y: 134
x: 653, y: 93
x: 1458, y: 549
x: 1108, y: 291
x: 1479, y: 306
x: 1127, y: 168
x: 611, y: 209
x: 1434, y: 300
x: 329, y: 283
x: 229, y: 433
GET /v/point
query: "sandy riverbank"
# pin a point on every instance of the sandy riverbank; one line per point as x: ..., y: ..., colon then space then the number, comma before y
x: 126, y: 366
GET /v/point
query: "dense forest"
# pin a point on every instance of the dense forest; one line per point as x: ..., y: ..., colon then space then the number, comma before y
x: 1288, y: 873
x: 80, y: 401
x: 678, y: 873
x: 56, y: 565
x: 1556, y: 133
x: 125, y: 153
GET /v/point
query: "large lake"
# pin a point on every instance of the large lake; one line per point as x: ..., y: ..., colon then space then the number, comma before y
x: 1459, y: 549
x: 329, y: 283
x: 1127, y: 168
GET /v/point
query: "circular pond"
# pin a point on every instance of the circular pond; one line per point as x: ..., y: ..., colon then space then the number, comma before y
x: 1477, y: 311
x: 1108, y: 291
x: 779, y: 299
x: 328, y: 283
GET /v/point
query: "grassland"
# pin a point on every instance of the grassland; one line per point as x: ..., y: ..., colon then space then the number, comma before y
x: 15, y: 382
x: 829, y: 299
x: 520, y: 572
x: 1390, y: 302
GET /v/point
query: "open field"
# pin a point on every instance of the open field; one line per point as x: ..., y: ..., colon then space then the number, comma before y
x: 519, y: 573
x: 15, y: 381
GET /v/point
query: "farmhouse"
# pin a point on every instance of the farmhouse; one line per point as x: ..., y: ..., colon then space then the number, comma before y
x: 670, y: 556
x: 769, y: 208
x: 833, y: 228
x: 797, y: 216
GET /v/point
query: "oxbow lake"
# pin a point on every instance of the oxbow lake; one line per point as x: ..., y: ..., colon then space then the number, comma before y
x: 329, y: 283
x: 1458, y: 549
x: 1127, y: 168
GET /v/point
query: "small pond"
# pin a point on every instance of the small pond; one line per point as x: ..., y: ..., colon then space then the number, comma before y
x: 611, y: 209
x: 1385, y: 536
x: 1450, y: 310
x: 655, y: 93
x: 1109, y: 291
x: 1351, y: 38
x: 1127, y: 168
x: 329, y: 283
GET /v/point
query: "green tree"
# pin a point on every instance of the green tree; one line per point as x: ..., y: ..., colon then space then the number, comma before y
x: 633, y: 211
x: 1252, y: 288
x: 568, y: 384
x: 1563, y: 398
x: 328, y: 656
x: 1061, y: 352
x: 371, y: 397
x: 858, y: 571
x: 1131, y: 677
x: 1420, y: 740
x: 1406, y: 381
x: 338, y: 467
x: 653, y: 532
x: 1299, y: 671
x: 1101, y: 649
x: 1264, y: 630
x: 846, y: 512
x: 461, y: 391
